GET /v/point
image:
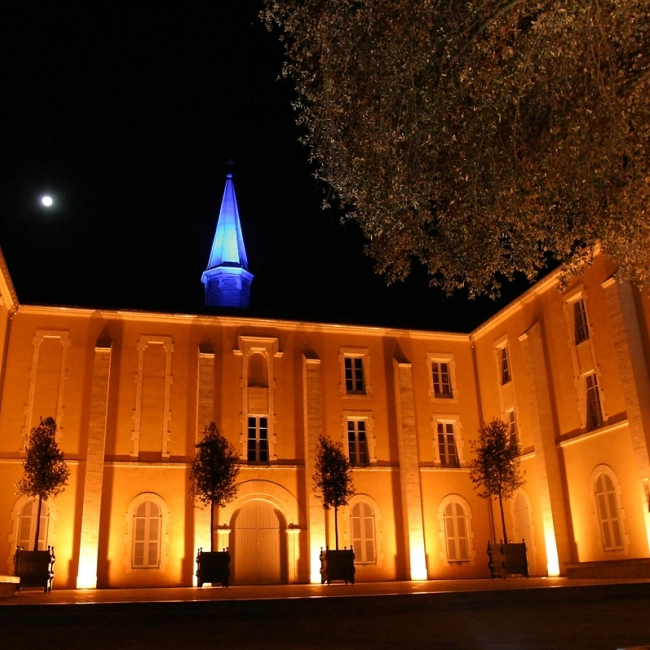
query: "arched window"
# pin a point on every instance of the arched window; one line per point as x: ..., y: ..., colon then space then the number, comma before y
x: 362, y: 525
x: 147, y: 530
x: 608, y: 513
x: 27, y: 526
x: 456, y: 532
x: 257, y: 371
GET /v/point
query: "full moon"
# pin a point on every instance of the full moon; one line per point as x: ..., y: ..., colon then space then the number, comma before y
x: 46, y: 201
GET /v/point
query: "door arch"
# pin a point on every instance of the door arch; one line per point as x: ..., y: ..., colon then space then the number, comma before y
x: 258, y: 546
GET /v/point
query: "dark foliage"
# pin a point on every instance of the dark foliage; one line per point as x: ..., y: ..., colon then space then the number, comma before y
x: 213, y: 472
x: 333, y: 478
x: 479, y: 137
x: 45, y: 473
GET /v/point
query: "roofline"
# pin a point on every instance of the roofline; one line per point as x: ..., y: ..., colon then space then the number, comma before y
x: 5, y: 278
x: 237, y: 321
x: 539, y: 287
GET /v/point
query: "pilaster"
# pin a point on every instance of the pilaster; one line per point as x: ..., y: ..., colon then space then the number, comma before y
x: 633, y: 370
x: 94, y: 476
x: 313, y: 419
x: 554, y: 520
x: 409, y: 464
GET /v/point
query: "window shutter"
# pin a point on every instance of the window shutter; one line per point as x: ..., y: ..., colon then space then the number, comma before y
x: 138, y: 540
x: 362, y: 522
x: 42, y: 531
x: 25, y: 535
x: 450, y: 532
x: 369, y: 533
x: 608, y: 513
x: 456, y: 533
x: 154, y: 535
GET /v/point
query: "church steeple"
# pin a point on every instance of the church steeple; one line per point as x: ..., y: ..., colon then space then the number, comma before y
x: 227, y: 279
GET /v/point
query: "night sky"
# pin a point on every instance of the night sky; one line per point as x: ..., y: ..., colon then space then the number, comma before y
x: 126, y: 113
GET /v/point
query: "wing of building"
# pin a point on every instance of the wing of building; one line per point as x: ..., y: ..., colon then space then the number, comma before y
x: 133, y: 391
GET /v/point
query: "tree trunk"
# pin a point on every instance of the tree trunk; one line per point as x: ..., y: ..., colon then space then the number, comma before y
x: 38, y: 522
x: 211, y: 526
x: 336, y: 526
x: 503, y: 520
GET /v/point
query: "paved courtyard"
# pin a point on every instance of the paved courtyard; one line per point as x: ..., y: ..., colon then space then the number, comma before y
x: 516, y: 613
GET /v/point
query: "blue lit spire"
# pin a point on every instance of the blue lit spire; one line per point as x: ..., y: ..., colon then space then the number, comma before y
x: 227, y: 280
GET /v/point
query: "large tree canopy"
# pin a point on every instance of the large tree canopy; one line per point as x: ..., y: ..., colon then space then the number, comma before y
x: 480, y: 137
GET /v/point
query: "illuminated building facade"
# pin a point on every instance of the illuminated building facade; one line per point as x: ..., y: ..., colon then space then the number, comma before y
x: 132, y: 392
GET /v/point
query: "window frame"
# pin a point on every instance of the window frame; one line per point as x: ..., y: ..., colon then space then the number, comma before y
x: 129, y: 536
x: 363, y: 357
x: 44, y: 532
x: 441, y: 395
x: 594, y: 414
x: 447, y: 451
x: 443, y: 528
x: 606, y: 471
x: 360, y: 550
x: 18, y: 505
x: 581, y: 329
x: 455, y: 422
x: 149, y: 537
x: 506, y: 370
x: 371, y: 442
x: 513, y: 424
x: 258, y: 439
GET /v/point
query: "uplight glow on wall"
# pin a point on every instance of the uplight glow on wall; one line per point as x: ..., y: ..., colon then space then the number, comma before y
x: 552, y: 558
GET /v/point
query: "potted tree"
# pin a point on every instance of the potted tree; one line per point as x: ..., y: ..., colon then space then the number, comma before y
x: 496, y: 472
x: 333, y: 485
x: 45, y: 474
x: 213, y: 473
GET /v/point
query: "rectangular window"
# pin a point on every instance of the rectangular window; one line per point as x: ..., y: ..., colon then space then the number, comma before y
x: 258, y: 439
x: 354, y: 375
x: 357, y: 442
x: 512, y: 427
x: 441, y: 379
x: 447, y: 445
x: 505, y: 365
x: 580, y: 318
x: 594, y: 411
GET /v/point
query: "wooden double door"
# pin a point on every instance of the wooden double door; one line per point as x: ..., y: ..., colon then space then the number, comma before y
x: 258, y: 545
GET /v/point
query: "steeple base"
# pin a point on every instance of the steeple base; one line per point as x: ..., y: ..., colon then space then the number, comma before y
x: 227, y: 287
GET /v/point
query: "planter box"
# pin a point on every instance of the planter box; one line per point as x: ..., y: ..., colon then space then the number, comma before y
x: 213, y: 567
x: 8, y: 586
x: 35, y: 568
x: 337, y: 565
x: 507, y: 560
